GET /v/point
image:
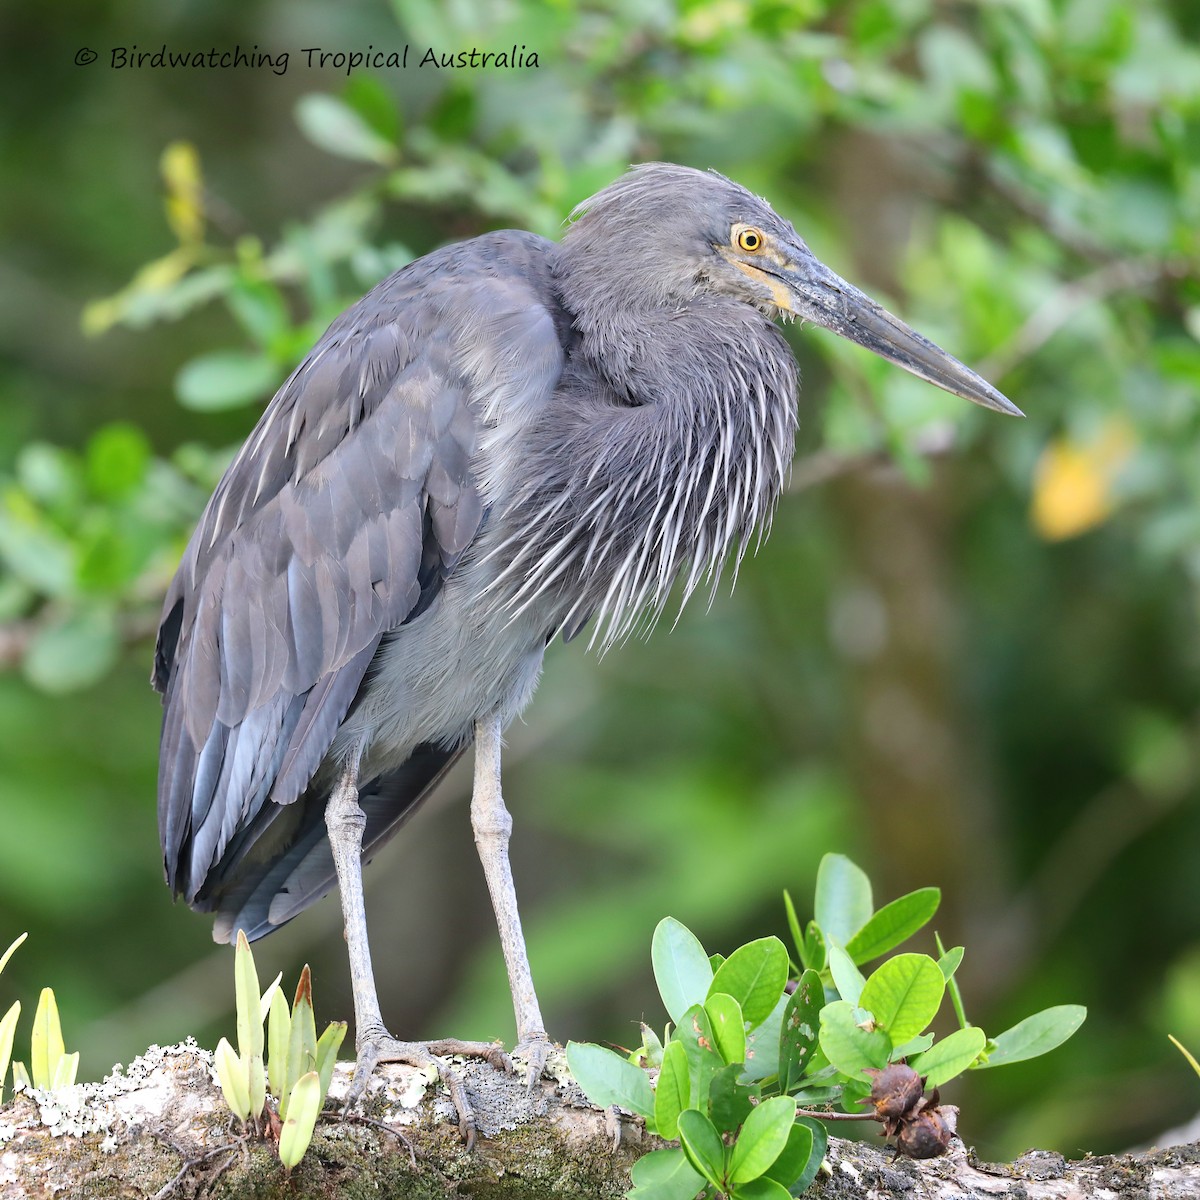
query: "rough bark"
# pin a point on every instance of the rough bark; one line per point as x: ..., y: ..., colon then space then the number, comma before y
x: 159, y: 1128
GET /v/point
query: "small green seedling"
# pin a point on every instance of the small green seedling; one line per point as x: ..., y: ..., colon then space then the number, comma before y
x: 298, y: 1065
x: 8, y: 1023
x: 757, y: 1043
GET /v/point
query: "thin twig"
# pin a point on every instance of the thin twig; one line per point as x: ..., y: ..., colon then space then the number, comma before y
x: 359, y: 1119
x: 191, y: 1163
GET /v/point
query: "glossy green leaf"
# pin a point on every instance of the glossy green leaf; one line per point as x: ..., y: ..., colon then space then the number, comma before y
x: 917, y: 1045
x: 728, y: 1026
x: 754, y: 975
x: 762, y: 1043
x: 820, y: 1142
x: 893, y: 924
x: 247, y: 999
x: 665, y: 1175
x: 762, y: 1138
x: 730, y: 1101
x: 702, y: 1145
x: 279, y: 1027
x: 304, y: 1105
x: 762, y: 1188
x: 951, y: 1056
x: 694, y: 1033
x: 673, y: 1091
x: 12, y: 949
x: 950, y: 962
x: 8, y: 1028
x: 231, y: 1074
x: 607, y: 1078
x: 681, y: 967
x: 302, y: 1038
x: 799, y: 1029
x: 904, y: 994
x: 226, y: 379
x: 328, y: 1045
x: 47, y: 1043
x: 847, y: 1045
x: 795, y: 929
x: 843, y: 899
x: 256, y: 1082
x: 1035, y: 1035
x: 847, y: 978
x: 793, y: 1158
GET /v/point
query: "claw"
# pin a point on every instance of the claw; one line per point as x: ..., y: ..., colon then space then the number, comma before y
x: 534, y: 1051
x: 376, y: 1049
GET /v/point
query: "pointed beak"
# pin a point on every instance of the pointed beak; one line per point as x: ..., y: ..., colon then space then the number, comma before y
x: 816, y: 294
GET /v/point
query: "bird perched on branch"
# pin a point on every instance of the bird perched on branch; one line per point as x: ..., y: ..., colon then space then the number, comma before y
x: 506, y: 441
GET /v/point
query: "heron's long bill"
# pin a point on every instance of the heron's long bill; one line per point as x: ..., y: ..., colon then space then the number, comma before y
x: 826, y: 299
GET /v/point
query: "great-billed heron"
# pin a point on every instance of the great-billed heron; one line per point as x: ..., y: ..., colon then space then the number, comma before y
x: 501, y: 443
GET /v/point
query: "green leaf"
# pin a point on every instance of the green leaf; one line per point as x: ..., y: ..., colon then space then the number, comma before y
x: 302, y: 1039
x: 681, y: 967
x: 793, y: 1158
x: 327, y: 1051
x: 1035, y: 1035
x: 951, y: 1056
x: 893, y: 924
x: 762, y: 1188
x: 231, y: 1074
x: 12, y: 949
x: 225, y: 379
x: 303, y: 1106
x: 728, y: 1026
x: 796, y: 931
x: 843, y: 899
x: 256, y: 1083
x: 846, y: 1044
x: 729, y: 1102
x: 673, y: 1093
x: 279, y: 1030
x: 820, y: 1142
x: 664, y: 1175
x: 754, y: 975
x: 815, y: 951
x: 694, y: 1033
x: 917, y: 1045
x: 246, y: 997
x: 47, y: 1047
x: 950, y: 962
x: 762, y: 1043
x: 846, y: 976
x: 73, y: 652
x: 904, y: 994
x: 64, y: 1073
x: 333, y: 126
x: 762, y: 1138
x: 702, y: 1145
x: 8, y: 1028
x: 799, y: 1029
x: 607, y: 1079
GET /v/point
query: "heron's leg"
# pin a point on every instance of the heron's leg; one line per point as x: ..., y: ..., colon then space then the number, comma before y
x: 345, y: 822
x: 492, y: 826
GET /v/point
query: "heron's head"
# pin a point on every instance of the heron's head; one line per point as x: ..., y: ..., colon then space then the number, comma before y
x: 662, y: 236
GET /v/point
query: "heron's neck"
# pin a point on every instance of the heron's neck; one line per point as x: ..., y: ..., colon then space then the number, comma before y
x: 665, y: 449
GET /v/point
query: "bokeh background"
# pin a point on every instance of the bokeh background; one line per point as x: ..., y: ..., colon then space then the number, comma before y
x: 967, y: 655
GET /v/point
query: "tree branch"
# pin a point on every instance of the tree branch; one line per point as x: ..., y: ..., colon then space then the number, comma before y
x: 159, y: 1130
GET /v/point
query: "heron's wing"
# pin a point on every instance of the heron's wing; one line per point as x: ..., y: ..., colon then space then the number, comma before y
x: 345, y: 510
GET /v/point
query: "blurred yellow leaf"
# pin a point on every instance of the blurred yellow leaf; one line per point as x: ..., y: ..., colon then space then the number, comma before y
x: 180, y: 167
x: 1073, y: 481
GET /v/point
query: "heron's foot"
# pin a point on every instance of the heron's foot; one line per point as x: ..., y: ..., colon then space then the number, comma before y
x: 379, y: 1048
x: 533, y: 1050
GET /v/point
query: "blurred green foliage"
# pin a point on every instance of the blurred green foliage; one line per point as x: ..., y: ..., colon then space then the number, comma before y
x: 968, y: 653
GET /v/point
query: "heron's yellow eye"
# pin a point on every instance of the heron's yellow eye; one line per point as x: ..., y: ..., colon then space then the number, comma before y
x: 749, y: 239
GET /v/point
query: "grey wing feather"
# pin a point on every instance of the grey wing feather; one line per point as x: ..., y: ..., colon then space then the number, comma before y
x: 345, y: 510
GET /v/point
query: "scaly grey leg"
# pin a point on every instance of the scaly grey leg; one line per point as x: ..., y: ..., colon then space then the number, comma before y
x: 345, y: 821
x: 492, y: 826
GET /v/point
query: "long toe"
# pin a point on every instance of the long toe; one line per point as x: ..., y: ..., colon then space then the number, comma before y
x: 534, y: 1051
x: 381, y: 1048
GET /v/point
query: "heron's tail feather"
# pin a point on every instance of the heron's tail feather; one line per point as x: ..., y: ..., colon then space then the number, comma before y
x: 262, y: 894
